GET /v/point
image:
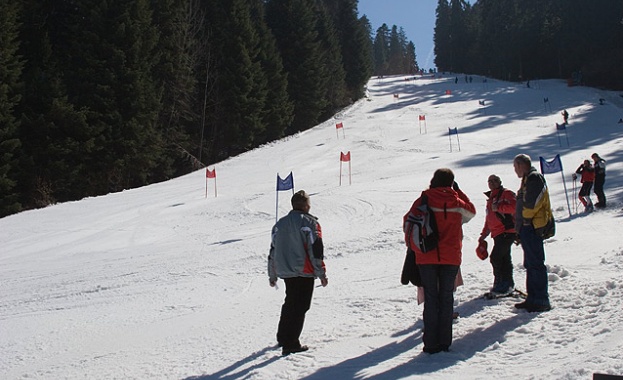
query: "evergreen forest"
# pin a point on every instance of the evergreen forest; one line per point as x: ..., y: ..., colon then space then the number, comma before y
x: 522, y: 40
x: 101, y: 96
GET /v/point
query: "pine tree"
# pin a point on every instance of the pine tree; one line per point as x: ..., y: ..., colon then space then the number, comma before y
x: 356, y: 46
x: 180, y: 23
x: 10, y: 71
x: 113, y: 55
x: 293, y: 22
x: 278, y: 113
x: 334, y: 74
x: 381, y: 50
x: 53, y: 132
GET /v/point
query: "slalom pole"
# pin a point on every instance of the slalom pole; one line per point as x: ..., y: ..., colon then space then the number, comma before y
x: 340, y: 172
x: 277, y: 201
x: 566, y: 195
x: 567, y: 136
x: 350, y: 180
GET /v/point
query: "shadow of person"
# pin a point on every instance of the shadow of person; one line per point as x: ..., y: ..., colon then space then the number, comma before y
x: 238, y: 370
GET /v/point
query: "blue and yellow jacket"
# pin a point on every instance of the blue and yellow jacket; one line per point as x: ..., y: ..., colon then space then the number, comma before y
x: 533, y: 205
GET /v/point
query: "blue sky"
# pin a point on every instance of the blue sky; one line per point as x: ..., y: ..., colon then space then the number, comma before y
x: 416, y: 17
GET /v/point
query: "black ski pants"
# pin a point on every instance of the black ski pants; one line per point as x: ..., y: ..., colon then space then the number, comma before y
x: 299, y: 292
x: 502, y: 262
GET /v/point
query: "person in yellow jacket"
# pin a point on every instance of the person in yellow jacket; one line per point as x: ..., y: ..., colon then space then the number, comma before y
x: 533, y: 222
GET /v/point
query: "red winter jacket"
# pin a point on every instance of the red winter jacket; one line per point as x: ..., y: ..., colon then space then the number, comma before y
x: 452, y: 209
x: 506, y: 203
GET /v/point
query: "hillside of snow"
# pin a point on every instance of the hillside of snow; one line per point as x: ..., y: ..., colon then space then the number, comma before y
x: 161, y: 282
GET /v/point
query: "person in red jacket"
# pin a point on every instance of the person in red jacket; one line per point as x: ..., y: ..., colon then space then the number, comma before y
x: 438, y: 268
x: 500, y: 223
x: 587, y: 173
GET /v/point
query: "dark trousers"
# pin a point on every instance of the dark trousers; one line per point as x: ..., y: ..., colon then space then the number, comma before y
x: 599, y: 190
x: 585, y: 193
x: 534, y: 262
x: 299, y: 292
x: 502, y: 262
x: 438, y: 283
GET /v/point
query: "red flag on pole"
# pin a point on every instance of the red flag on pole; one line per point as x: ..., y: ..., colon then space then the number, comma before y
x: 422, y: 117
x: 345, y: 158
x: 211, y: 174
x: 339, y: 126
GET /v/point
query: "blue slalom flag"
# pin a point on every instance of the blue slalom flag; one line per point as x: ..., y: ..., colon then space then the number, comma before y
x: 545, y: 100
x: 552, y: 166
x: 286, y: 183
x: 561, y: 127
x: 454, y: 131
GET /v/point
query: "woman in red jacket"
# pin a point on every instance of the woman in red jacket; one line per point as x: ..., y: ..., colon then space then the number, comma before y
x: 438, y: 268
x: 587, y: 172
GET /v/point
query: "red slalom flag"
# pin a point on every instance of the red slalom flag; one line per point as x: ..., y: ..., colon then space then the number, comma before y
x: 345, y: 158
x: 339, y: 126
x: 211, y: 174
x: 422, y: 117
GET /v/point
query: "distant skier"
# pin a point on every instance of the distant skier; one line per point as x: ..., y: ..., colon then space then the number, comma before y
x: 587, y: 173
x: 565, y: 116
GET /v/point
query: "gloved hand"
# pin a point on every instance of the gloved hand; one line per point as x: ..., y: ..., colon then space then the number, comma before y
x: 272, y: 283
x: 482, y: 238
x: 481, y: 250
x: 324, y: 281
x: 455, y: 186
x: 517, y: 239
x: 574, y: 176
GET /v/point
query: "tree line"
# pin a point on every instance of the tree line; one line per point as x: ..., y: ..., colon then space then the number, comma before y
x: 530, y: 39
x: 100, y: 96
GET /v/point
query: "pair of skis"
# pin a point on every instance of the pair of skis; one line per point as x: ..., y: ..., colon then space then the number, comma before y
x: 515, y: 293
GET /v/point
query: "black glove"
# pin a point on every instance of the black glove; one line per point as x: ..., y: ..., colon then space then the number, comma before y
x: 455, y: 186
x: 517, y: 239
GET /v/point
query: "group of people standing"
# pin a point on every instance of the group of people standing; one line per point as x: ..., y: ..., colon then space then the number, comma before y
x: 526, y: 218
x: 589, y: 175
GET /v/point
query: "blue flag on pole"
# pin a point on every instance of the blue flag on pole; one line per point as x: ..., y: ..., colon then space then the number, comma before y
x: 286, y: 183
x: 561, y: 127
x: 552, y: 166
x: 454, y: 131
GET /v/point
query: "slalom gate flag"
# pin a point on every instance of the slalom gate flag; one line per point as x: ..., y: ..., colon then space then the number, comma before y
x: 286, y: 183
x: 561, y: 127
x: 454, y: 131
x: 210, y: 173
x: 345, y: 157
x: 422, y: 117
x: 553, y: 166
x: 339, y: 125
x: 545, y: 100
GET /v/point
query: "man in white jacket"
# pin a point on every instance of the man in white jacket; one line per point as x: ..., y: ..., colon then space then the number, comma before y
x: 297, y: 256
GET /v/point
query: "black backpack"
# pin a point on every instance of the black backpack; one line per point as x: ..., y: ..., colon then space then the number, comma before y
x: 420, y: 228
